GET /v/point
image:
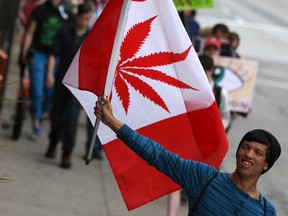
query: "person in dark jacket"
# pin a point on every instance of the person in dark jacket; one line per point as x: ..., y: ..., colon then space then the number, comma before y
x: 65, y: 107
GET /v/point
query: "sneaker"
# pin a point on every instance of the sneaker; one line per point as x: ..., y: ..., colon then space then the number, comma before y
x: 45, y: 116
x: 66, y: 161
x: 35, y: 134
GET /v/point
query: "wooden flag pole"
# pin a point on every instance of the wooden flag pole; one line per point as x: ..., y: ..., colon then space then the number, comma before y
x: 111, y: 70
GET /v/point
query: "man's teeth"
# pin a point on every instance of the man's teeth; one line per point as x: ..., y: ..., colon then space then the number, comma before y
x: 247, y: 163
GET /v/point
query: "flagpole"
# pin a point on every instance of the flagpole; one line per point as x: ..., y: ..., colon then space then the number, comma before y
x: 111, y: 70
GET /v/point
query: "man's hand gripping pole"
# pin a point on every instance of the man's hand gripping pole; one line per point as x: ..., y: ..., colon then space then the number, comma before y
x: 96, y: 127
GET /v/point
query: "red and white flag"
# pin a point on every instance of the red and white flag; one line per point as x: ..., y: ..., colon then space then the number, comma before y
x: 159, y: 89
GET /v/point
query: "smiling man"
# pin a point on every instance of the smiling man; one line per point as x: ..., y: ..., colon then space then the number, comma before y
x: 209, y: 191
x: 256, y: 154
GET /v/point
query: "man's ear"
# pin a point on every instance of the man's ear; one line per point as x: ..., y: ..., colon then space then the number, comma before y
x: 266, y: 166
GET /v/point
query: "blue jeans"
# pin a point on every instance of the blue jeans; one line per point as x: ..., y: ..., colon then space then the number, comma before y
x: 40, y: 95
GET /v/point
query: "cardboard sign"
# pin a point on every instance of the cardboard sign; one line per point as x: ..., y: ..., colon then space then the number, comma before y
x: 238, y: 77
x: 193, y: 4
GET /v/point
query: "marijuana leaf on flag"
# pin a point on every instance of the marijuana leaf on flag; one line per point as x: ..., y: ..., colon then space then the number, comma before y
x: 130, y: 68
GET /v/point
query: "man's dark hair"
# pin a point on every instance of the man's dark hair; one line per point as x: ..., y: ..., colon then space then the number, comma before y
x: 233, y: 36
x: 220, y: 27
x: 265, y: 138
x: 193, y: 13
x: 206, y: 62
x: 84, y: 8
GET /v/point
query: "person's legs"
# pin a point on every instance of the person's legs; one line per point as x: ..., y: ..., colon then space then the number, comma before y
x: 38, y: 71
x: 70, y: 129
x: 173, y: 203
x: 57, y: 118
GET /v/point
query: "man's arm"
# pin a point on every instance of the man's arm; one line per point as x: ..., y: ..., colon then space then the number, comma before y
x: 179, y: 170
x: 50, y: 80
x: 28, y: 38
x: 150, y: 151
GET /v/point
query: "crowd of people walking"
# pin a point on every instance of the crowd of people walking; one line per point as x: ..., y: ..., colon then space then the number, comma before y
x: 53, y: 32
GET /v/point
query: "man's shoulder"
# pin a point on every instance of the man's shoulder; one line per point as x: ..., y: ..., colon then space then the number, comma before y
x: 217, y: 87
x: 269, y: 207
x: 42, y: 7
x: 37, y: 11
x: 220, y: 90
x: 41, y: 10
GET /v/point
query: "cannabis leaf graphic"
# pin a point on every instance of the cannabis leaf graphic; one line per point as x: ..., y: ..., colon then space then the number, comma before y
x: 131, y: 69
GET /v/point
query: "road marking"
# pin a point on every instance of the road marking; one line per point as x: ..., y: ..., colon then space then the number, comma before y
x: 225, y: 10
x: 273, y: 73
x: 273, y: 84
x: 239, y: 20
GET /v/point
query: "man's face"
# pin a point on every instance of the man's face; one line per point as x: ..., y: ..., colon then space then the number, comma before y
x: 235, y: 43
x: 212, y: 50
x: 222, y: 36
x: 84, y: 20
x: 55, y: 2
x: 251, y: 158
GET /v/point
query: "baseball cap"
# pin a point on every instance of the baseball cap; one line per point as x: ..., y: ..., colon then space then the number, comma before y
x: 212, y: 41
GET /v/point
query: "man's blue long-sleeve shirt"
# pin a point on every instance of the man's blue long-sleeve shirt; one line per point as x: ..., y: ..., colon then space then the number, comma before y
x: 222, y: 196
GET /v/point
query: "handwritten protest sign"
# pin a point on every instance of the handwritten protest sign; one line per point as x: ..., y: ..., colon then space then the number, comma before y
x: 238, y: 77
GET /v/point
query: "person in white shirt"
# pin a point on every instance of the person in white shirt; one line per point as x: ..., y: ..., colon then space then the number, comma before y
x: 221, y: 94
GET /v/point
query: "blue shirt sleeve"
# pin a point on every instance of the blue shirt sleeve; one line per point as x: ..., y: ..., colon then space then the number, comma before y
x: 185, y: 173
